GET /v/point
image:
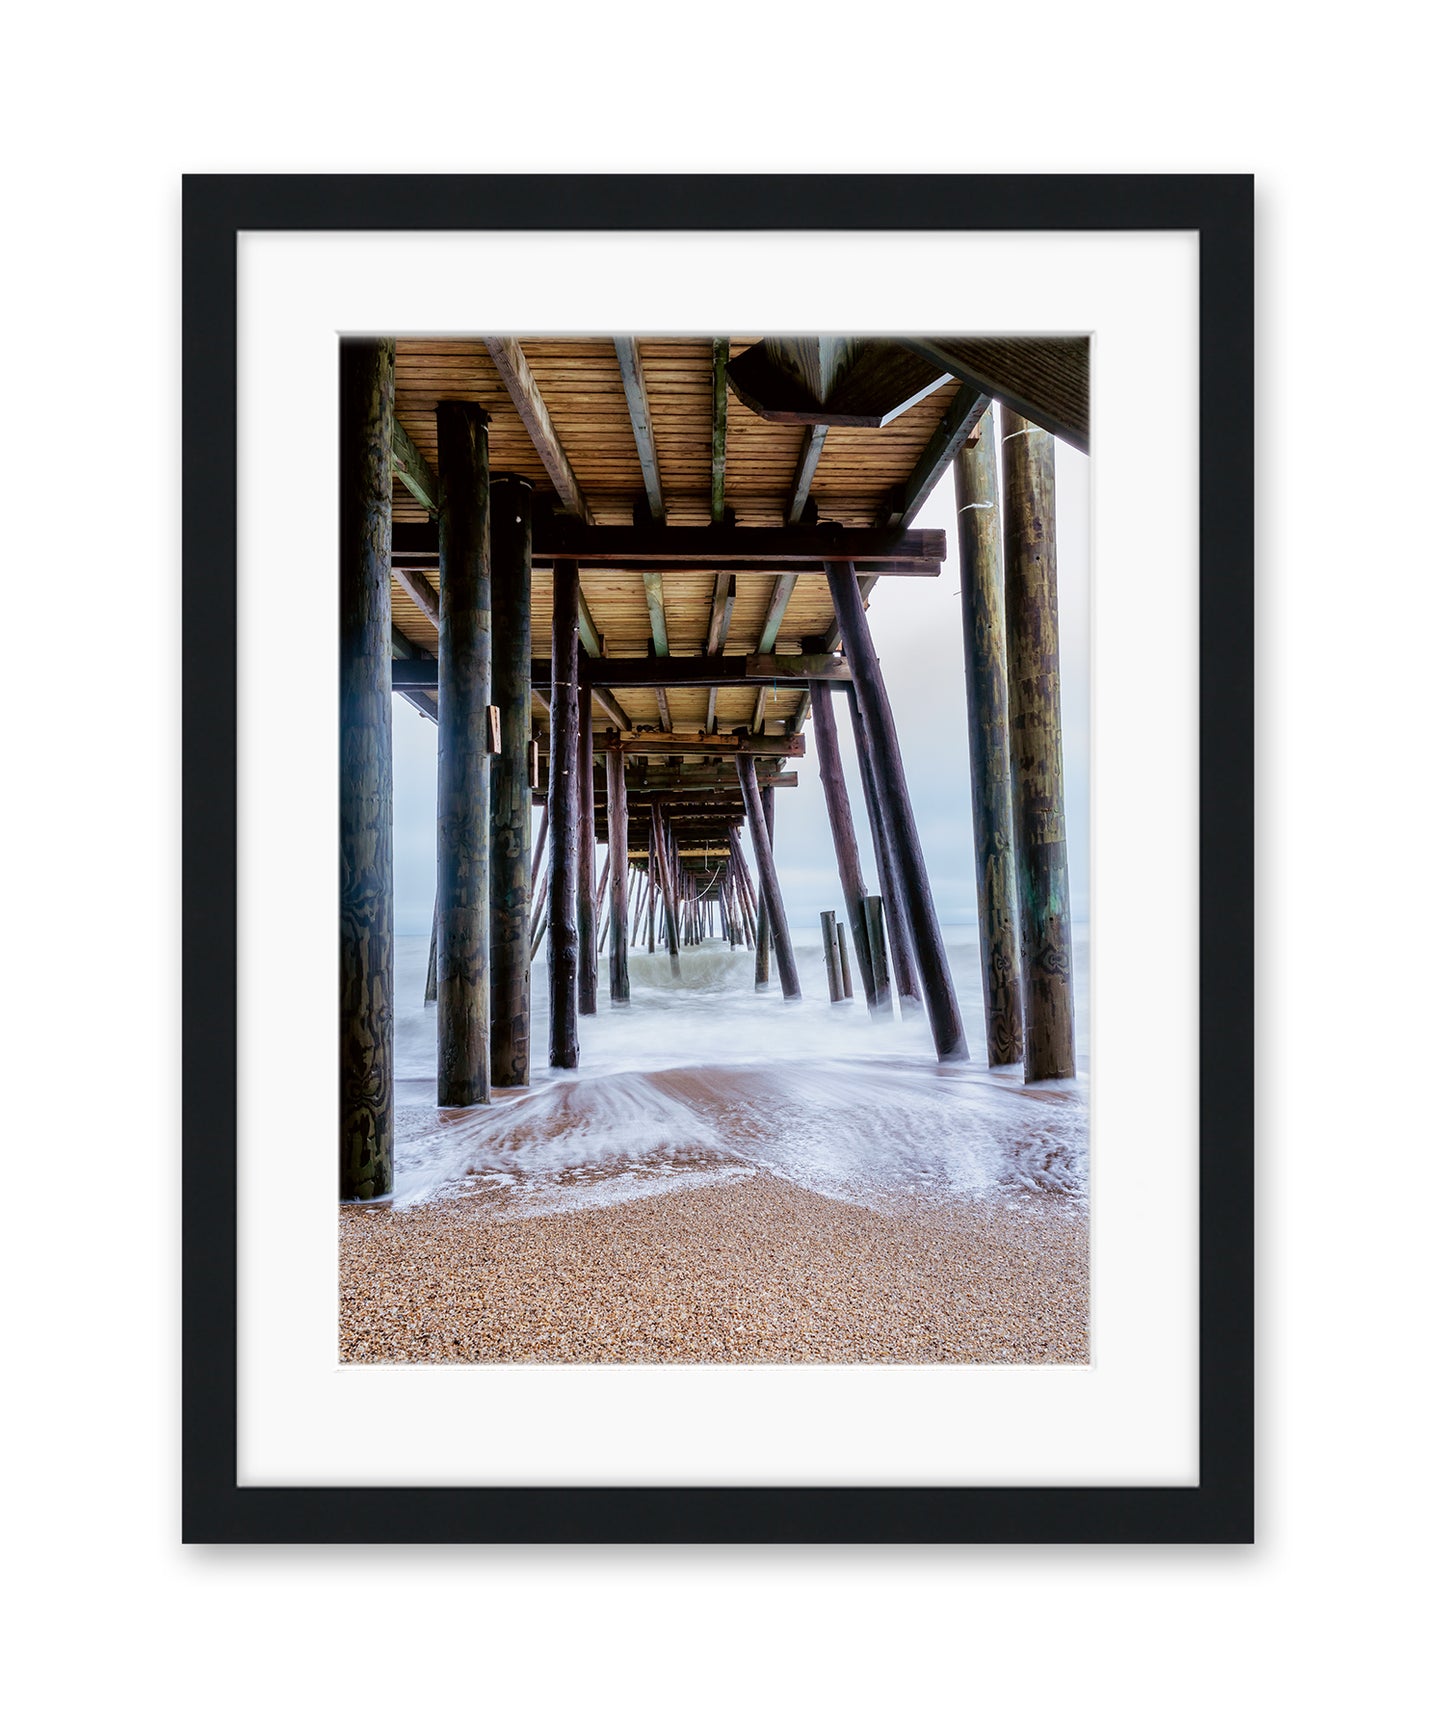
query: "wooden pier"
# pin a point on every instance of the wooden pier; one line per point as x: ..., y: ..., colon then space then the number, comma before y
x: 622, y: 575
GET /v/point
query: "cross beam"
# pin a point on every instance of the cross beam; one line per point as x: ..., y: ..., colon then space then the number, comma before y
x: 419, y: 674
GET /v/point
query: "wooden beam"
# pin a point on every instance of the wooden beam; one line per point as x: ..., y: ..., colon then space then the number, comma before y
x: 837, y: 381
x: 811, y: 451
x: 610, y: 708
x: 1043, y: 379
x: 656, y: 613
x: 634, y: 388
x: 713, y: 548
x: 590, y: 638
x: 760, y: 710
x: 711, y: 723
x: 418, y: 674
x: 663, y: 712
x: 651, y: 744
x: 517, y: 376
x: 422, y: 593
x: 777, y: 608
x: 720, y: 351
x: 958, y: 424
x: 724, y: 595
x: 414, y: 471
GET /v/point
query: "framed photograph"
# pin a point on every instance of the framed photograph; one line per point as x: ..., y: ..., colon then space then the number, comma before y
x: 718, y: 858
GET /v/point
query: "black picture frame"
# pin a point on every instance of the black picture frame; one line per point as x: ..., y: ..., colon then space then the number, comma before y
x: 1220, y: 208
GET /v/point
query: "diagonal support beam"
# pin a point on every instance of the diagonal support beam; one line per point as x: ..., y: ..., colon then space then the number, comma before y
x: 414, y: 472
x: 957, y: 426
x: 808, y: 455
x: 724, y: 595
x: 521, y: 384
x: 629, y: 361
x: 422, y: 593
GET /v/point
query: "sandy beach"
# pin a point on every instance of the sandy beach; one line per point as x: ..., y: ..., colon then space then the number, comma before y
x: 755, y: 1269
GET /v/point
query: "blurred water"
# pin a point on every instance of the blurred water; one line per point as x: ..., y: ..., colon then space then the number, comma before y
x: 706, y: 1080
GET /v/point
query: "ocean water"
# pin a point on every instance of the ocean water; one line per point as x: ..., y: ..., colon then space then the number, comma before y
x: 705, y: 1081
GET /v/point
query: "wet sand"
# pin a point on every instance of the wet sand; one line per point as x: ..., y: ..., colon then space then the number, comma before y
x: 749, y: 1270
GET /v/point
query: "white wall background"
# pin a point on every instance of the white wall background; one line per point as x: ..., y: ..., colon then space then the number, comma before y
x: 1326, y: 1623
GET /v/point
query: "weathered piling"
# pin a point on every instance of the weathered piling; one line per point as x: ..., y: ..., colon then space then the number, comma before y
x: 669, y: 901
x: 909, y: 998
x: 1036, y: 749
x: 537, y: 849
x: 562, y: 939
x: 464, y: 695
x: 831, y: 960
x: 366, y: 1014
x: 878, y: 947
x: 761, y: 966
x: 840, y: 823
x: 652, y: 885
x: 897, y: 811
x: 768, y: 878
x: 586, y: 858
x: 985, y: 679
x: 511, y: 870
x: 843, y: 965
x: 429, y: 993
x: 617, y: 849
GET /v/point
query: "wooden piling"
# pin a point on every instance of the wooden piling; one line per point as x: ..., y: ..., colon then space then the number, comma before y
x: 562, y: 806
x: 586, y: 857
x: 464, y: 695
x: 537, y: 849
x: 831, y: 962
x: 511, y: 868
x: 909, y: 998
x: 845, y: 839
x: 878, y: 947
x: 896, y: 808
x: 617, y: 847
x: 762, y: 971
x: 843, y: 965
x: 429, y: 993
x: 768, y: 878
x: 1036, y: 749
x: 652, y: 888
x: 985, y: 678
x: 668, y: 884
x: 366, y: 1011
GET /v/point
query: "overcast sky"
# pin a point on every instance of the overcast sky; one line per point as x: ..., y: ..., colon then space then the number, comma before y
x: 917, y: 626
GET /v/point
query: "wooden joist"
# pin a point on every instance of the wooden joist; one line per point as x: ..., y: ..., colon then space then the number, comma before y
x: 412, y: 469
x: 422, y: 592
x: 663, y: 711
x: 656, y: 613
x: 608, y: 705
x: 634, y: 388
x: 652, y: 548
x: 516, y: 374
x: 952, y: 433
x: 720, y: 349
x: 777, y: 608
x: 591, y: 640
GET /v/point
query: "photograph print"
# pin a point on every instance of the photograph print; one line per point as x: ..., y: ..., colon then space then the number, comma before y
x: 714, y: 849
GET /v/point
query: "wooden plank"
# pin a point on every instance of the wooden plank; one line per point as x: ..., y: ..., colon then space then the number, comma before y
x: 522, y: 388
x: 656, y: 613
x: 808, y: 455
x: 724, y: 596
x: 720, y: 351
x: 961, y: 418
x: 634, y: 387
x: 777, y: 608
x: 1043, y: 379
